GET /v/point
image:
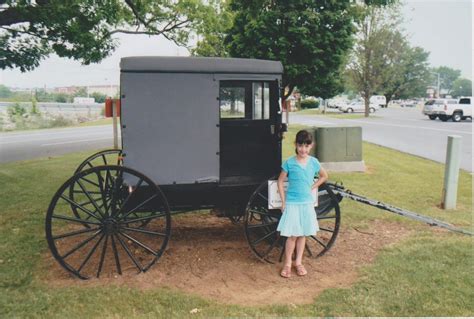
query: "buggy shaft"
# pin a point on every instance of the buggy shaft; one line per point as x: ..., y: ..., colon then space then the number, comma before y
x: 402, y: 212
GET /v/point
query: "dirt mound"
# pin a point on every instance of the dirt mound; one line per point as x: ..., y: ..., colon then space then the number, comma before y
x: 208, y: 256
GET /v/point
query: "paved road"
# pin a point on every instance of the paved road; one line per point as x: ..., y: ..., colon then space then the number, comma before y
x: 42, y: 143
x: 398, y: 128
x: 405, y: 129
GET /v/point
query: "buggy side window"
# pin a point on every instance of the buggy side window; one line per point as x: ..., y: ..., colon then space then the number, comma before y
x: 248, y: 100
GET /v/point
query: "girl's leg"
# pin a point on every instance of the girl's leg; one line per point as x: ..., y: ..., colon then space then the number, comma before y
x: 289, y: 248
x: 300, y: 245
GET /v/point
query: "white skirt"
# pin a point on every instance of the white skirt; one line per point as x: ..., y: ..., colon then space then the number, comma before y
x: 298, y: 220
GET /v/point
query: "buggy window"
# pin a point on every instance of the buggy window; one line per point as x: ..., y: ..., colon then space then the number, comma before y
x: 465, y: 101
x: 244, y: 100
x: 232, y: 102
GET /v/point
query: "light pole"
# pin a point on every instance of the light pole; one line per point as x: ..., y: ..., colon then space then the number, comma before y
x: 438, y: 87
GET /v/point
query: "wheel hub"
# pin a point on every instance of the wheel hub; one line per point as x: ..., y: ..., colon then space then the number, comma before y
x: 111, y: 226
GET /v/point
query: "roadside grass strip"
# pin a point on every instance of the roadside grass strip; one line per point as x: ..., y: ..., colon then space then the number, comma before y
x: 428, y: 274
x: 333, y: 114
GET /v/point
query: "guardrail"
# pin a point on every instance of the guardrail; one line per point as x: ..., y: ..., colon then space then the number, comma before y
x: 54, y: 107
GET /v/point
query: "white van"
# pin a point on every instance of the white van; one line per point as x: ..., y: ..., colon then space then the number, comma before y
x: 380, y: 100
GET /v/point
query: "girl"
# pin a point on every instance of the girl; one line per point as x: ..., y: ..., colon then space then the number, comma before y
x: 299, y: 218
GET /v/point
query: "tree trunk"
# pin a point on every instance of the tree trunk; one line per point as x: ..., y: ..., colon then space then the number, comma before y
x: 367, y: 103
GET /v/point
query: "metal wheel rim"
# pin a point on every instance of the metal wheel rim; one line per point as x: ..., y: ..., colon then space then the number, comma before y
x: 113, y: 231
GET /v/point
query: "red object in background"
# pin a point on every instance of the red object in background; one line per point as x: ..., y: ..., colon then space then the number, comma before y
x: 108, y: 107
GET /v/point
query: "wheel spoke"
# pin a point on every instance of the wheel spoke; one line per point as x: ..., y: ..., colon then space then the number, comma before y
x: 90, y: 182
x: 137, y: 207
x: 326, y: 229
x: 306, y: 247
x: 128, y: 197
x: 88, y: 212
x: 319, y: 241
x: 130, y: 221
x: 261, y: 225
x: 139, y: 243
x: 262, y: 196
x: 129, y: 253
x: 143, y: 231
x: 102, y: 256
x: 90, y: 198
x: 116, y: 256
x: 326, y: 217
x: 82, y: 244
x: 76, y: 220
x: 271, y: 247
x: 256, y: 242
x: 91, y: 252
x: 105, y: 160
x: 74, y: 233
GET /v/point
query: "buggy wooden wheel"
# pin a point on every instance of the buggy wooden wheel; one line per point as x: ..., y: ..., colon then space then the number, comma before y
x: 121, y: 221
x: 261, y: 225
x: 105, y: 157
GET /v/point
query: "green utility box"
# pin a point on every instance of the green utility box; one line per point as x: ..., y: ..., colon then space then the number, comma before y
x: 340, y: 148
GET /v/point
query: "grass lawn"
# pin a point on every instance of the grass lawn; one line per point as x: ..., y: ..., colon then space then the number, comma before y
x: 104, y: 121
x: 336, y: 115
x: 429, y: 274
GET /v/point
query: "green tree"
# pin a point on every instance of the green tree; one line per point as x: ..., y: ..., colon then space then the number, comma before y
x: 99, y: 97
x: 406, y: 74
x: 368, y: 58
x: 462, y: 87
x: 5, y: 91
x: 81, y: 92
x: 212, y: 33
x: 84, y: 30
x: 447, y: 76
x: 310, y: 38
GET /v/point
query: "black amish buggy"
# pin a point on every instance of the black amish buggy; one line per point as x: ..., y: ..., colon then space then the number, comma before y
x: 197, y: 133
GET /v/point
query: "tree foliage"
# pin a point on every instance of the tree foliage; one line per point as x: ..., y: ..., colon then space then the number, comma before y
x: 462, y: 87
x: 212, y: 33
x: 310, y: 38
x: 84, y: 29
x: 382, y: 60
x: 407, y: 74
x: 447, y: 76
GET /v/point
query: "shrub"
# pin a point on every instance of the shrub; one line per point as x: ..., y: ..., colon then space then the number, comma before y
x: 309, y: 104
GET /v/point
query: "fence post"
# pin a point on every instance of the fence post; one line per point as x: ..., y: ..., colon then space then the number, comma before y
x: 451, y: 172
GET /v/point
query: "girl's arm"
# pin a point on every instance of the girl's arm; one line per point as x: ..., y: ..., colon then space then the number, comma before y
x: 281, y: 190
x: 323, y: 177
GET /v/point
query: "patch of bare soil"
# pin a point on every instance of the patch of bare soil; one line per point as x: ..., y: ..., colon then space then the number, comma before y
x: 208, y: 256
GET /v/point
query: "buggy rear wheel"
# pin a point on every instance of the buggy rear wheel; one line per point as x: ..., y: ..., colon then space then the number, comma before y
x: 121, y: 221
x: 105, y: 157
x: 261, y: 224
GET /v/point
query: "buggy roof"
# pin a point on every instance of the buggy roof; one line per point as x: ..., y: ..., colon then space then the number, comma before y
x: 170, y: 64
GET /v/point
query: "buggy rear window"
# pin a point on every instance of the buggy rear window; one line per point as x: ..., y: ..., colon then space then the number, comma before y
x: 465, y: 101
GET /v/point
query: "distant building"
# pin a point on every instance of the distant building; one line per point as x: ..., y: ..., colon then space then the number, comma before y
x: 109, y: 90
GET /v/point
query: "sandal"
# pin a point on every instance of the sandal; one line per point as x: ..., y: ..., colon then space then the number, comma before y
x: 300, y: 270
x: 286, y: 272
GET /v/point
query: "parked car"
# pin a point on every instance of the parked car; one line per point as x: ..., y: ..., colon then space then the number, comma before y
x: 408, y: 103
x: 446, y: 109
x: 380, y: 100
x: 358, y: 106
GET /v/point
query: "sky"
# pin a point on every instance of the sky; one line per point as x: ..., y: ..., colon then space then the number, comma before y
x: 441, y: 27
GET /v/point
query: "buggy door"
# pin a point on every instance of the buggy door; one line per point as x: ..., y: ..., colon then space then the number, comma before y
x: 250, y: 148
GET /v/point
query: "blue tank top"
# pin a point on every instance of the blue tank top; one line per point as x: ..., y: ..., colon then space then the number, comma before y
x: 300, y: 179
